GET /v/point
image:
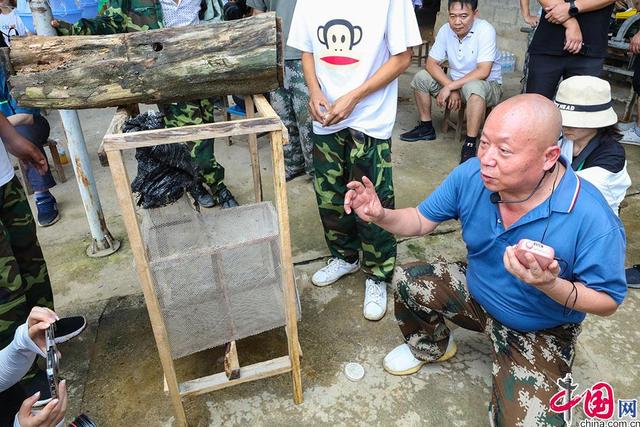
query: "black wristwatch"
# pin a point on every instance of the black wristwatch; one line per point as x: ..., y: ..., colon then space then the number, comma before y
x: 573, y: 9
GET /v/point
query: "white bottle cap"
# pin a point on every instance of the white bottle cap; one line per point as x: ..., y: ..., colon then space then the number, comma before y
x: 354, y: 371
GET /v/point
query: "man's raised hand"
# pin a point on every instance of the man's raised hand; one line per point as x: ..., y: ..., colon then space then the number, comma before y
x: 362, y: 199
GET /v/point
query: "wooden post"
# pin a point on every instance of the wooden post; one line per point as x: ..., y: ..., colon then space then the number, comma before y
x: 286, y: 261
x: 122, y: 114
x: 231, y: 362
x: 122, y: 185
x: 253, y: 150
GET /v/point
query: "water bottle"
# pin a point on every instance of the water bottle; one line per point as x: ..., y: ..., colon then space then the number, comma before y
x: 63, y: 155
x: 502, y: 60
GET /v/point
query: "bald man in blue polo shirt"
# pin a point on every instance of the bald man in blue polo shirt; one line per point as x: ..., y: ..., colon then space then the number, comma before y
x: 519, y: 187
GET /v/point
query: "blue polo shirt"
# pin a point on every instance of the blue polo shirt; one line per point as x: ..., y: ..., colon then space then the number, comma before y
x: 587, y: 237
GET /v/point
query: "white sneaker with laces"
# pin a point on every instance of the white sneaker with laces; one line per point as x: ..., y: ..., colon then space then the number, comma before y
x: 400, y: 360
x: 375, y: 299
x: 630, y: 137
x: 334, y: 270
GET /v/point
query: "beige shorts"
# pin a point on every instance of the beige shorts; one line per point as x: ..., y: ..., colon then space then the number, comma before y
x: 491, y: 92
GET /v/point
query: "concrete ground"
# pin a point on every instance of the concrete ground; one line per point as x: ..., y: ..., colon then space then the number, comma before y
x: 114, y: 371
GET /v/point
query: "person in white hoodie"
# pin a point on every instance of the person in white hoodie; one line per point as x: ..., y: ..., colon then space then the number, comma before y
x: 15, y: 361
x: 591, y: 142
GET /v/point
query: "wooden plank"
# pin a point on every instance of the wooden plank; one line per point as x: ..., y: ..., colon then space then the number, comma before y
x: 231, y: 362
x: 286, y: 261
x: 125, y: 199
x: 253, y: 151
x: 149, y: 138
x: 263, y: 106
x: 156, y: 66
x: 121, y: 115
x: 265, y: 110
x: 249, y: 373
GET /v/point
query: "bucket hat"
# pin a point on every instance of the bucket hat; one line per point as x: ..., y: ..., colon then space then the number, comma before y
x: 585, y: 102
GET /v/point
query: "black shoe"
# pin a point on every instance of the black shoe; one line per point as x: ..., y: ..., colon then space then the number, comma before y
x: 226, y: 199
x: 69, y: 327
x: 203, y: 197
x: 288, y: 176
x: 47, y: 208
x: 36, y: 381
x: 418, y: 133
x: 468, y: 151
x: 633, y: 277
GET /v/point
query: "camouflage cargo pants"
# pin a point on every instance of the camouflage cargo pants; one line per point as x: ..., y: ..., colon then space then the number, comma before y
x: 291, y: 102
x: 24, y: 281
x: 342, y: 157
x: 525, y: 365
x: 198, y: 112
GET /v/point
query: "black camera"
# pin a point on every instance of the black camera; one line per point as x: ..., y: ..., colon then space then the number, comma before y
x: 52, y: 361
x: 235, y: 9
x: 82, y: 421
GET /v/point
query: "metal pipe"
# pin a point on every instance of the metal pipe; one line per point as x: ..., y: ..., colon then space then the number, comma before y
x: 103, y: 243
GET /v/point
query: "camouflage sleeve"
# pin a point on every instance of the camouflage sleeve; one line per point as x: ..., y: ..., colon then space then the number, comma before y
x: 112, y: 22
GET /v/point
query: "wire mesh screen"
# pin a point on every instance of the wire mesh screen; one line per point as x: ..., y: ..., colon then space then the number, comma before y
x: 217, y: 273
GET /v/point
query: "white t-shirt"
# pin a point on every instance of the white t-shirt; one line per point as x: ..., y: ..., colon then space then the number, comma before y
x: 6, y: 168
x: 479, y: 45
x: 180, y: 14
x: 9, y: 21
x: 350, y: 41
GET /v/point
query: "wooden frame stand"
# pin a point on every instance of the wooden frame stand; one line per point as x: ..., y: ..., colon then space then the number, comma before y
x: 268, y: 121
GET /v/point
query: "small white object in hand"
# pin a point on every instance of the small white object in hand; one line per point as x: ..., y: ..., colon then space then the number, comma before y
x: 354, y: 371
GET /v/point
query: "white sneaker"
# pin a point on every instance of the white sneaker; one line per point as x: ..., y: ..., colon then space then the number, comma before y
x: 375, y: 299
x: 630, y: 137
x: 334, y: 270
x: 625, y: 126
x: 400, y: 360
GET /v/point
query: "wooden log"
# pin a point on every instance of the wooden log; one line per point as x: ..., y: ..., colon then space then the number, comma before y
x: 158, y: 66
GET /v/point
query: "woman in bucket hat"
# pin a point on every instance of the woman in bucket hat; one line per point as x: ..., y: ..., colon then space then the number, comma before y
x: 591, y: 141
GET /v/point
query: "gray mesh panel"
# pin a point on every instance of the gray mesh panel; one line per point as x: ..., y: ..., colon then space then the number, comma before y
x: 217, y: 273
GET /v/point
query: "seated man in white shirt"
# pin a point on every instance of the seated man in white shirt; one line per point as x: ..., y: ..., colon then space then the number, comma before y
x: 475, y: 79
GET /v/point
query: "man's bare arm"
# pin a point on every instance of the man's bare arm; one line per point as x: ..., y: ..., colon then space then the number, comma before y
x: 558, y: 12
x: 525, y: 11
x: 318, y: 104
x: 436, y: 71
x: 406, y: 222
x: 481, y: 72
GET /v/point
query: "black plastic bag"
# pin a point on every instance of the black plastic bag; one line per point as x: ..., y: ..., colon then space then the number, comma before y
x: 165, y: 171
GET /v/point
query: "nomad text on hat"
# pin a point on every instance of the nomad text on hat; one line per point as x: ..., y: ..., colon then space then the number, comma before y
x: 585, y: 102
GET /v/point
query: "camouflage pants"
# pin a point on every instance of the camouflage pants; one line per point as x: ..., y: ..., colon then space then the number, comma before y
x: 291, y: 104
x: 342, y: 157
x: 24, y: 281
x: 526, y: 365
x: 198, y: 112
